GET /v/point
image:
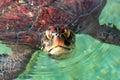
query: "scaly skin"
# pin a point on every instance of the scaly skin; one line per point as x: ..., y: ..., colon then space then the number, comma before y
x: 92, y: 27
x: 13, y: 65
x: 107, y: 34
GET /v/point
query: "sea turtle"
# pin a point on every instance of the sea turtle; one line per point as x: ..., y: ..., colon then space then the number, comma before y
x: 49, y: 25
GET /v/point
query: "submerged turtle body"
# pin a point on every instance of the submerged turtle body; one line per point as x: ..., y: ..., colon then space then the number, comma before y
x: 34, y: 16
x: 49, y: 25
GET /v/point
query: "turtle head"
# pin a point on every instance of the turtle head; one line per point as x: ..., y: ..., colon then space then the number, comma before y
x: 58, y: 42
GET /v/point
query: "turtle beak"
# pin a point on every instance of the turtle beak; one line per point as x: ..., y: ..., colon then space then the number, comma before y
x: 60, y: 44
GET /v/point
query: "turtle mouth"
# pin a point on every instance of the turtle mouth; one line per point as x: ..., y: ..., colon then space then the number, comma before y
x: 66, y: 48
x: 60, y: 52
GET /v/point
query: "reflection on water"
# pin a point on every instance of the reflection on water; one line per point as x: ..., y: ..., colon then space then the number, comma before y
x: 91, y: 60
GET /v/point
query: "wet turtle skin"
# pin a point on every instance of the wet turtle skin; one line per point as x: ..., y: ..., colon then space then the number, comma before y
x: 12, y: 65
x: 22, y: 23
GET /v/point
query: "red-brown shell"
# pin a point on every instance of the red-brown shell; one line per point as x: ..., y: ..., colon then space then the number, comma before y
x: 26, y: 18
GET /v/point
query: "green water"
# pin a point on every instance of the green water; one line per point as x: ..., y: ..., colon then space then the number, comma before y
x: 91, y: 60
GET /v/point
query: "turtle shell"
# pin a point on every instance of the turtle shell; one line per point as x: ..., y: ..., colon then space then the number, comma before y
x: 22, y: 21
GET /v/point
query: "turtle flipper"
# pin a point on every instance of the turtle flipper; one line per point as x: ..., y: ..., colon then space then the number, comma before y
x: 107, y: 34
x: 13, y: 65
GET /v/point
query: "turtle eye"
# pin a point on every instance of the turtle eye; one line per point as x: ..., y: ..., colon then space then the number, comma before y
x: 67, y: 32
x: 48, y: 34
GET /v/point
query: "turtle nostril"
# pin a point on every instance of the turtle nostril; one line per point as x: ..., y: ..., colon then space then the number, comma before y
x: 57, y: 35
